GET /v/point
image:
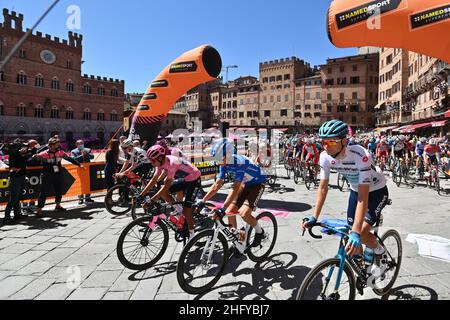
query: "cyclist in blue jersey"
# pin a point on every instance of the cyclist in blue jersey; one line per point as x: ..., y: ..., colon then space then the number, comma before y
x: 420, y: 147
x: 249, y: 183
x: 368, y: 196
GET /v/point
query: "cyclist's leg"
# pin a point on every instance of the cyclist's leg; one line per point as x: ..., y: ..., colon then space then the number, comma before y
x: 377, y: 202
x: 248, y: 202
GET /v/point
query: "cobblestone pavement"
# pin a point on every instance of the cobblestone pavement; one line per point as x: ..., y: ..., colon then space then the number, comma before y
x: 73, y: 255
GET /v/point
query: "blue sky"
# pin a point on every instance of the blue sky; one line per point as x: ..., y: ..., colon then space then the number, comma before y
x: 134, y: 40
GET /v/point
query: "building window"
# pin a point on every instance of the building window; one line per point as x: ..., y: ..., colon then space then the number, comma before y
x: 284, y: 113
x: 287, y: 77
x: 330, y: 70
x: 87, y: 115
x: 69, y: 64
x: 317, y: 107
x: 355, y: 67
x: 55, y: 84
x: 23, y: 53
x: 329, y: 109
x: 297, y: 114
x: 329, y: 96
x: 279, y: 78
x: 354, y: 108
x: 308, y: 96
x: 341, y: 81
x: 114, y: 92
x: 87, y: 89
x: 21, y: 110
x: 2, y: 109
x: 39, y: 111
x: 69, y: 113
x: 342, y: 69
x: 308, y: 115
x: 249, y: 114
x: 54, y: 113
x: 354, y: 80
x: 101, y: 91
x: 307, y: 107
x: 2, y: 76
x: 267, y: 113
x: 355, y: 95
x: 317, y: 115
x: 234, y: 104
x: 114, y: 116
x: 22, y: 78
x: 286, y: 98
x: 329, y: 82
x: 241, y: 114
x: 278, y: 98
x: 39, y: 81
x: 265, y: 80
x: 69, y: 86
x: 271, y: 99
x: 341, y: 97
x: 101, y: 116
x: 318, y: 95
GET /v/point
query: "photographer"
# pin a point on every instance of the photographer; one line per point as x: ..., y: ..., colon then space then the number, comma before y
x: 83, y: 155
x: 52, y: 174
x: 17, y: 179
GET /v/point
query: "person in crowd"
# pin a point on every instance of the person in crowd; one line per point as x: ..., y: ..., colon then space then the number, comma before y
x: 112, y: 164
x: 32, y: 149
x: 83, y: 155
x: 145, y: 145
x: 122, y: 154
x: 17, y: 179
x: 52, y: 174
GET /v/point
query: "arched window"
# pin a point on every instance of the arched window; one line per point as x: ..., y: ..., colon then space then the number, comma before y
x: 101, y: 91
x: 69, y: 86
x: 55, y: 83
x: 2, y: 109
x: 22, y: 78
x: 87, y: 114
x: 69, y: 113
x: 114, y: 92
x: 39, y: 81
x: 114, y: 116
x: 2, y: 76
x: 87, y: 89
x: 101, y: 115
x: 21, y: 110
x: 38, y: 111
x: 54, y: 113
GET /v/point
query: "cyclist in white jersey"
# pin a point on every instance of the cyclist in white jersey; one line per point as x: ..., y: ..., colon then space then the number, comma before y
x: 369, y: 194
x: 136, y: 160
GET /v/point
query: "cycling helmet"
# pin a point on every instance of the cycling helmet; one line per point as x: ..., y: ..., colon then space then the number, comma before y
x: 432, y: 142
x: 333, y: 129
x: 372, y: 140
x: 423, y: 140
x: 401, y: 138
x: 127, y: 143
x: 155, y: 152
x: 223, y: 147
x: 162, y: 143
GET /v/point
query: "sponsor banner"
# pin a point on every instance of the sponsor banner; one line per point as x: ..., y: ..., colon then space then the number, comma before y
x: 72, y: 183
x: 431, y: 16
x: 364, y: 12
x: 181, y: 67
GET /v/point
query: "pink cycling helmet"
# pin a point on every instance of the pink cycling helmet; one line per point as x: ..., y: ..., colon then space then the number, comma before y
x: 155, y: 152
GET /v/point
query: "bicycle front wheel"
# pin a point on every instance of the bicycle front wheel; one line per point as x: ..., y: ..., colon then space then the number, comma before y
x: 117, y: 200
x: 140, y: 248
x: 393, y: 244
x: 320, y: 283
x: 269, y: 224
x: 201, y: 262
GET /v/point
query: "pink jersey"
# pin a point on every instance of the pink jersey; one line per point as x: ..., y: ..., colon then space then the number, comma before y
x: 310, y: 149
x: 176, y: 153
x: 180, y: 167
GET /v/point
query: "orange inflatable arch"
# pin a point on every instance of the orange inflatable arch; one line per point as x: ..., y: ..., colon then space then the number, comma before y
x: 422, y: 26
x: 188, y: 71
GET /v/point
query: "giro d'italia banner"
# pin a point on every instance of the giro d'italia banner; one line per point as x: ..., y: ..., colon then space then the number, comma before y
x: 422, y: 26
x: 191, y: 69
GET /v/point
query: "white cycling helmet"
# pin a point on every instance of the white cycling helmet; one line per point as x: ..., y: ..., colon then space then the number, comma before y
x: 127, y: 143
x: 432, y: 142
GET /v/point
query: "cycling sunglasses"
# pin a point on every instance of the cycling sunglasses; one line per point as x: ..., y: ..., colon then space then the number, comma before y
x: 331, y: 143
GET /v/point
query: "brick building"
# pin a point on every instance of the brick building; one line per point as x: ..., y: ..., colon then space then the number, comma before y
x: 350, y: 89
x: 43, y: 92
x: 308, y: 101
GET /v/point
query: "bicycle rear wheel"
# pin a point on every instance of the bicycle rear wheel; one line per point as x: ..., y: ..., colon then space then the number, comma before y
x: 139, y: 248
x: 320, y: 283
x: 393, y: 244
x: 297, y: 175
x: 116, y: 201
x: 268, y: 223
x: 196, y: 273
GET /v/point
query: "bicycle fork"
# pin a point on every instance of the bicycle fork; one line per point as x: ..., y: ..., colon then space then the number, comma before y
x: 341, y: 257
x: 208, y: 250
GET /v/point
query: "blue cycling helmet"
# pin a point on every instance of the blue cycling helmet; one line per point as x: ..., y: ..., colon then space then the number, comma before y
x: 222, y: 147
x: 333, y: 129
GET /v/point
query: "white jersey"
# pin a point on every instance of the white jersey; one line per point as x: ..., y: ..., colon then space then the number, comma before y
x: 398, y: 146
x: 356, y: 167
x: 138, y: 156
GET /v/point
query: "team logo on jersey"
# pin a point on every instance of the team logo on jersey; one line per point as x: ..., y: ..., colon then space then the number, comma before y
x: 365, y: 159
x: 333, y: 162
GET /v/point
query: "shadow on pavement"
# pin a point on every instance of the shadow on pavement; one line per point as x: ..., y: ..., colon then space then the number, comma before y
x: 157, y: 271
x: 275, y: 274
x: 412, y: 292
x: 54, y: 219
x: 273, y: 204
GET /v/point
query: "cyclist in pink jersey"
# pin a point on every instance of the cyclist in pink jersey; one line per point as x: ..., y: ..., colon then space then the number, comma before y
x: 188, y: 180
